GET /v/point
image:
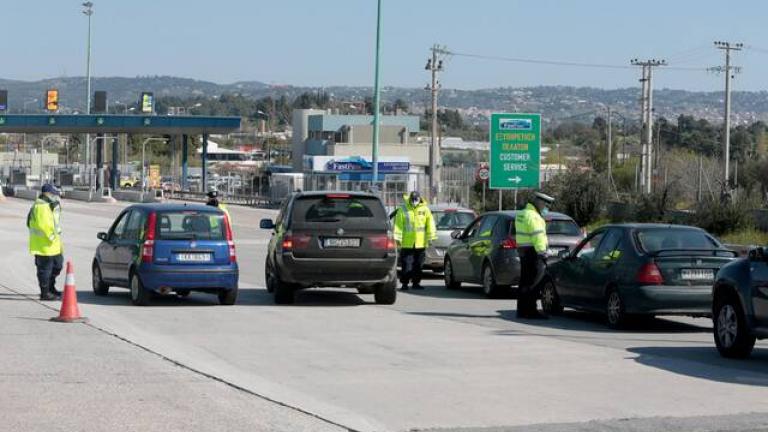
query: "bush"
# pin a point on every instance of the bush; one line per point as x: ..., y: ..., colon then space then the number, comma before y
x: 580, y: 195
x: 722, y: 216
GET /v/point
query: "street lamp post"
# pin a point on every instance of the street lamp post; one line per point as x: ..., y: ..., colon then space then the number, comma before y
x: 88, y: 11
x: 28, y: 102
x: 376, y: 101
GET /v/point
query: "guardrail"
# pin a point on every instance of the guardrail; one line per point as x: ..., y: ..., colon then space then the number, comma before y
x: 247, y: 200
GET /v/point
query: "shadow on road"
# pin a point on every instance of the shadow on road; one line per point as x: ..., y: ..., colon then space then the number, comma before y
x: 698, y: 361
x: 465, y: 292
x: 247, y: 297
x: 586, y: 321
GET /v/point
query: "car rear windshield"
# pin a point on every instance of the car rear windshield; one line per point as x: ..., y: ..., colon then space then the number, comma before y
x: 563, y: 227
x: 190, y: 225
x: 670, y: 239
x: 451, y: 220
x: 339, y: 208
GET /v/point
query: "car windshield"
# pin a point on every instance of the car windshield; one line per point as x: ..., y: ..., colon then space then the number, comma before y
x: 452, y: 220
x: 338, y: 208
x: 563, y: 227
x: 190, y: 225
x: 661, y: 239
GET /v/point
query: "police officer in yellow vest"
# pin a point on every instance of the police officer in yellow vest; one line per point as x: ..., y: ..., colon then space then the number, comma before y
x: 414, y: 230
x: 213, y: 201
x: 44, y: 223
x: 532, y: 245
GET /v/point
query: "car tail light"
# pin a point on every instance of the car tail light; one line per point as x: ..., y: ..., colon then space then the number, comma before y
x: 383, y: 242
x: 230, y: 240
x: 650, y: 274
x: 148, y: 250
x: 509, y: 243
x: 337, y: 196
x: 293, y: 242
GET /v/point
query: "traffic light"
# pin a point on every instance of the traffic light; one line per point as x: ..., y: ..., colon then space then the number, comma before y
x: 100, y: 101
x: 52, y: 100
x: 3, y: 100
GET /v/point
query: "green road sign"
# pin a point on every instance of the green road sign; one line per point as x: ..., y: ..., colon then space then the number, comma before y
x: 515, y: 159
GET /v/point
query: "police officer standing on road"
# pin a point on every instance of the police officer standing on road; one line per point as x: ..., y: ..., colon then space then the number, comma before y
x: 213, y: 201
x: 44, y: 223
x: 532, y: 245
x: 414, y: 230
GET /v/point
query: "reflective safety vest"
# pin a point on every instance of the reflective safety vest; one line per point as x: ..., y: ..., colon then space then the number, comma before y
x: 44, y: 226
x: 531, y: 229
x: 215, y: 221
x: 414, y: 226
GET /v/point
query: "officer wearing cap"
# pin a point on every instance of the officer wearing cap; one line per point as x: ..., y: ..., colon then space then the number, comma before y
x: 213, y: 201
x: 414, y: 229
x: 44, y: 223
x: 532, y: 245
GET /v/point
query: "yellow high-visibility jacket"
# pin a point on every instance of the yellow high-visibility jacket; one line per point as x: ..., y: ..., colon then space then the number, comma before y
x: 531, y: 229
x: 44, y: 229
x: 414, y: 225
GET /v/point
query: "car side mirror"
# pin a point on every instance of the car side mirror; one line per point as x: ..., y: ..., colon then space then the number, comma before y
x: 267, y: 224
x: 456, y: 234
x: 102, y: 236
x: 564, y: 254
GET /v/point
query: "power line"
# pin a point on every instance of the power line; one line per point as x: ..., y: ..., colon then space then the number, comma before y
x: 561, y: 63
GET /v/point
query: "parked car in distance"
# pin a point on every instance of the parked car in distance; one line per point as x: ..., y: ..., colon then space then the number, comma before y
x: 628, y: 270
x: 331, y: 239
x: 740, y: 304
x: 485, y: 252
x: 164, y: 248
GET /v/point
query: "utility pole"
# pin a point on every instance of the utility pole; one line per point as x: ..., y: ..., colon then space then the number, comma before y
x: 647, y: 158
x: 376, y: 102
x: 88, y: 11
x: 435, y: 65
x: 610, y: 144
x: 727, y: 47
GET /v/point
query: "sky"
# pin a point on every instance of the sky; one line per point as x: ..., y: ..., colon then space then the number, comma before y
x: 331, y: 42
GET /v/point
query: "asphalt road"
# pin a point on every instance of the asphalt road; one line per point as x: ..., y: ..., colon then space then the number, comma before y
x: 437, y: 359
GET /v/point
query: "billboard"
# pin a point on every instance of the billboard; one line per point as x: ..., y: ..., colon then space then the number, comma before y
x: 52, y: 100
x: 3, y: 100
x: 100, y: 102
x: 147, y: 103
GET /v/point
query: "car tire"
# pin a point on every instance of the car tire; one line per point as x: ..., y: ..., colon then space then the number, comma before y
x: 550, y: 299
x: 615, y: 313
x: 228, y: 297
x: 490, y: 288
x: 284, y: 293
x: 99, y: 287
x: 386, y: 293
x: 732, y: 337
x: 139, y: 296
x: 450, y: 282
x: 269, y: 281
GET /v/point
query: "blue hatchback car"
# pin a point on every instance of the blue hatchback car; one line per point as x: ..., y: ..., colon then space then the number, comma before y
x: 164, y: 248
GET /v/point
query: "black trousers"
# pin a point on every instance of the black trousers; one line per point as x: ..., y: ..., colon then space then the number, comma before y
x: 532, y: 272
x: 411, y: 261
x: 48, y: 268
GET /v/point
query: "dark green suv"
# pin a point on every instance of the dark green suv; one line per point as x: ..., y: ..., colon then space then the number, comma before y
x: 740, y: 304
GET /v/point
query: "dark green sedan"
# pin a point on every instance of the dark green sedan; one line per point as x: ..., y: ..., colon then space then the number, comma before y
x: 631, y: 270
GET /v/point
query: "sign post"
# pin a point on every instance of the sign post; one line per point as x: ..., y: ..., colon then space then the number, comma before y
x: 515, y: 156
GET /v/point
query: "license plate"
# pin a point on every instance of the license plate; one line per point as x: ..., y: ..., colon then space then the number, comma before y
x: 193, y: 257
x: 341, y: 242
x: 697, y: 274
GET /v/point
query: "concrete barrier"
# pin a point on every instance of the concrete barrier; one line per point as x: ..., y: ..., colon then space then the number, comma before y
x: 137, y: 196
x: 79, y: 195
x: 28, y: 194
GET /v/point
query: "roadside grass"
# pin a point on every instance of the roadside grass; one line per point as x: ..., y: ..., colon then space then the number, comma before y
x: 746, y: 237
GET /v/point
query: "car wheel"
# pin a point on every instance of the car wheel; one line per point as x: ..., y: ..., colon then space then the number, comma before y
x: 139, y: 296
x: 550, y: 300
x: 490, y: 288
x: 269, y: 281
x: 99, y: 287
x: 284, y: 293
x: 228, y: 297
x: 732, y: 336
x: 183, y: 293
x: 614, y: 310
x: 448, y: 277
x: 386, y: 293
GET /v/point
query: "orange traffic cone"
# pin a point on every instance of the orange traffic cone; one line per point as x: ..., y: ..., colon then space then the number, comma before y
x: 69, y: 311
